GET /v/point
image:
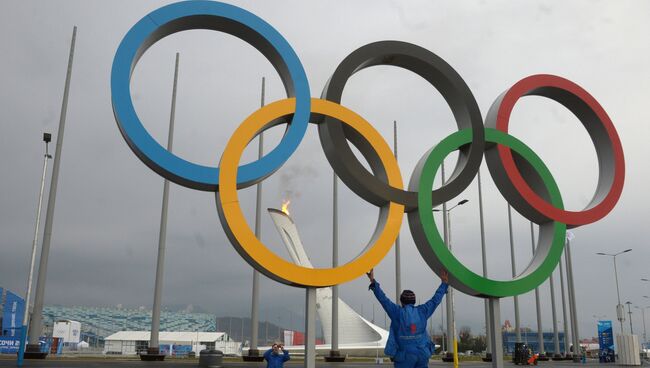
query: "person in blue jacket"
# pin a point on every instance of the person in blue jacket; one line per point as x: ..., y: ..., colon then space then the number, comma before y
x: 408, y: 344
x: 276, y: 356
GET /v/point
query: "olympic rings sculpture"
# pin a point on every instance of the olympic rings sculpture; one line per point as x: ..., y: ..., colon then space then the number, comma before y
x: 520, y: 175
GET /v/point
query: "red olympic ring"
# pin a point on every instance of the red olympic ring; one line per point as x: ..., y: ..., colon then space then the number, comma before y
x: 602, y: 133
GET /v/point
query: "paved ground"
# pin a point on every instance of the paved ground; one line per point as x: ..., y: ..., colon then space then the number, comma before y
x: 96, y: 363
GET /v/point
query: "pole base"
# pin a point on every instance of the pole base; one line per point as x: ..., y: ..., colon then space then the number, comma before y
x: 153, y: 355
x: 335, y: 356
x: 33, y: 351
x: 487, y: 357
x: 557, y: 357
x: 543, y: 358
x: 449, y: 358
x: 253, y: 356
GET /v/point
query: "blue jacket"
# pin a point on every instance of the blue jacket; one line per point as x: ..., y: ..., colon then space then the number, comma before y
x: 276, y: 360
x: 408, y: 324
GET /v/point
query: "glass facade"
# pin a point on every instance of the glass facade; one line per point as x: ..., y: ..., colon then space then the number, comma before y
x: 530, y: 339
x: 103, y: 322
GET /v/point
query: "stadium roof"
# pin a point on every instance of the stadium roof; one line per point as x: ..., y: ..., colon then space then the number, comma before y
x: 167, y: 336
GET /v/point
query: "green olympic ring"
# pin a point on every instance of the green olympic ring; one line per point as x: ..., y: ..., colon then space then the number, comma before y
x: 433, y: 249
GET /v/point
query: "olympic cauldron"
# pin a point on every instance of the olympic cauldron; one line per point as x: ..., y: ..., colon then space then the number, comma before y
x: 520, y: 175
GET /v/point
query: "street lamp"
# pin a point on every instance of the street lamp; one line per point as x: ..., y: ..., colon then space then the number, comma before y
x: 47, y: 138
x: 620, y: 311
x: 451, y: 321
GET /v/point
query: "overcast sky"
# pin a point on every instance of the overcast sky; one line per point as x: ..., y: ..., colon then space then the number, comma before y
x: 108, y: 205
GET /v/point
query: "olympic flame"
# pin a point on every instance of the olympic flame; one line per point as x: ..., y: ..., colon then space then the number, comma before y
x: 285, y: 207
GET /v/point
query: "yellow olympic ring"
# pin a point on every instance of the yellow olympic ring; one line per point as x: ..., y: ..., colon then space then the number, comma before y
x: 244, y: 239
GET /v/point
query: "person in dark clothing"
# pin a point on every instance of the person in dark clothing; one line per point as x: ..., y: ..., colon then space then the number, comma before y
x: 408, y: 343
x: 276, y: 356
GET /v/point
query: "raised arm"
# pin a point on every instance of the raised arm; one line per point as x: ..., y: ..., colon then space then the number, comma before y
x: 431, y: 305
x: 390, y: 307
x: 286, y: 355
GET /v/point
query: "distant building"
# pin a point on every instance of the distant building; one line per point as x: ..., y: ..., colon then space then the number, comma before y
x: 530, y: 339
x: 105, y: 321
x: 171, y: 343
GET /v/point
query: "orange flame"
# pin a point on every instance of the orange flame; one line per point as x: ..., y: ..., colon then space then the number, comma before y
x: 285, y: 207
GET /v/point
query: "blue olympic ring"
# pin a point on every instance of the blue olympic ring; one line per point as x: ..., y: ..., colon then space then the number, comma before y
x: 201, y: 15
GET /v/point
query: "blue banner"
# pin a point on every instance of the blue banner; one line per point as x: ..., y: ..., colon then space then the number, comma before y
x: 164, y: 349
x: 9, y: 345
x: 181, y: 350
x: 606, y: 342
x: 12, y: 318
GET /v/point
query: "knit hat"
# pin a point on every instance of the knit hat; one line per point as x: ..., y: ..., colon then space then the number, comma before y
x: 407, y: 297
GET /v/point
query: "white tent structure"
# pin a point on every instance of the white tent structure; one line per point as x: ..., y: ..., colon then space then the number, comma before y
x: 134, y: 342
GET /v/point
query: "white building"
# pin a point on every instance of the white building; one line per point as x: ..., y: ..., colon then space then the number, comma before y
x: 69, y: 331
x: 134, y: 342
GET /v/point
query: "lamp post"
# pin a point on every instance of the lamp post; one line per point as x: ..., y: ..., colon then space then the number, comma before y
x: 47, y: 138
x: 620, y: 311
x: 451, y: 321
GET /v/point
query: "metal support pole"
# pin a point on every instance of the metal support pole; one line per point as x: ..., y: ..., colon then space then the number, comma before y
x: 310, y: 328
x: 556, y: 335
x: 443, y: 338
x: 514, y: 274
x: 253, y: 351
x: 450, y: 290
x: 266, y: 333
x: 629, y: 311
x: 570, y: 295
x: 162, y: 238
x: 398, y: 262
x: 36, y: 327
x: 495, y: 331
x: 540, y: 332
x: 572, y: 303
x: 644, y: 330
x: 23, y: 332
x: 451, y: 296
x: 484, y: 259
x: 565, y: 320
x: 334, y: 352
